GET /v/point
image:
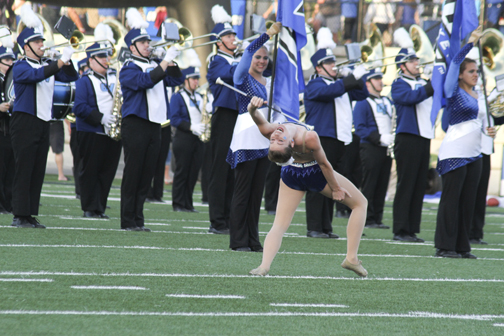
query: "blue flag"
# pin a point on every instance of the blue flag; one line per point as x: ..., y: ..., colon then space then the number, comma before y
x: 289, y: 81
x: 458, y: 20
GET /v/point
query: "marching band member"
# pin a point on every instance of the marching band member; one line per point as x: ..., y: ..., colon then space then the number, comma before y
x: 459, y: 159
x: 34, y: 78
x: 373, y: 124
x: 94, y: 101
x: 82, y: 67
x: 412, y: 98
x: 145, y: 107
x: 328, y: 104
x: 185, y: 107
x: 6, y: 154
x: 249, y: 149
x: 225, y: 107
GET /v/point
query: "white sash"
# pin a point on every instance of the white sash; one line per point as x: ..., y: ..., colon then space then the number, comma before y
x: 343, y: 116
x: 462, y: 140
x: 423, y: 110
x: 155, y: 96
x: 193, y: 110
x: 383, y: 120
x: 44, y: 93
x: 103, y: 97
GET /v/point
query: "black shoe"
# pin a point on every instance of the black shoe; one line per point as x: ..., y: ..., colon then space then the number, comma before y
x: 271, y: 212
x: 22, y: 222
x: 136, y: 228
x: 447, y: 254
x: 204, y: 202
x: 155, y: 200
x: 332, y: 235
x: 416, y: 239
x: 193, y: 210
x: 477, y: 241
x: 242, y: 249
x: 90, y: 214
x: 102, y: 215
x: 181, y: 209
x: 468, y: 255
x: 342, y: 214
x: 143, y: 228
x: 77, y: 196
x: 317, y: 234
x: 257, y: 249
x: 376, y: 226
x: 404, y: 237
x: 35, y: 222
x: 215, y: 231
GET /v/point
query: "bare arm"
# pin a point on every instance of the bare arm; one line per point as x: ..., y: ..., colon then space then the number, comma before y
x: 264, y: 126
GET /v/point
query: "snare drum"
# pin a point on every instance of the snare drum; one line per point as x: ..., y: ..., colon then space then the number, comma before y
x: 63, y: 99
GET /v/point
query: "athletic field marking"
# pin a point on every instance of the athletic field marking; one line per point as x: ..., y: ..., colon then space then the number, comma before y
x: 302, y: 277
x: 206, y: 296
x: 110, y: 287
x: 274, y: 314
x: 498, y: 324
x: 311, y: 305
x: 136, y: 247
x: 25, y: 280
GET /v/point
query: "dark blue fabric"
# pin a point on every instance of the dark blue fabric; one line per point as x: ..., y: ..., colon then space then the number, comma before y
x: 304, y: 179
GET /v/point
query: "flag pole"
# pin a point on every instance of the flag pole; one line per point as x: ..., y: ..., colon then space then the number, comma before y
x: 275, y: 51
x: 482, y: 70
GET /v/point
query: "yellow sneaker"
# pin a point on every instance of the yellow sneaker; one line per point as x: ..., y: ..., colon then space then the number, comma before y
x: 358, y: 269
x: 259, y: 271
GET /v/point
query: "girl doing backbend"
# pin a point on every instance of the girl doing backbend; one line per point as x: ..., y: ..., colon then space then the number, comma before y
x: 305, y: 167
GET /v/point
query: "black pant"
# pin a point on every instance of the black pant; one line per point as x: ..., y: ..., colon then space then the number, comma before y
x: 141, y: 141
x: 188, y: 152
x: 220, y: 185
x: 319, y: 209
x: 476, y: 228
x: 30, y: 142
x: 100, y: 156
x: 205, y: 171
x: 456, y: 207
x: 246, y: 205
x: 350, y: 167
x: 272, y: 186
x: 412, y: 155
x: 376, y: 173
x: 6, y: 168
x: 350, y: 29
x: 157, y: 187
x: 77, y: 166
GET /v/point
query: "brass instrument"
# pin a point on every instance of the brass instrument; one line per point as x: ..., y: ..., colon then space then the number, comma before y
x: 165, y: 123
x: 496, y: 107
x: 47, y: 30
x: 115, y: 129
x: 492, y: 43
x: 421, y: 45
x: 308, y: 50
x: 206, y: 117
x: 390, y: 148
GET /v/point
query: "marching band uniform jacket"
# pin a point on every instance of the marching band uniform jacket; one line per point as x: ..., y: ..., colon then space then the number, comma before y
x: 222, y: 65
x: 183, y: 110
x: 369, y: 124
x: 34, y: 85
x: 328, y: 105
x: 93, y: 99
x: 143, y: 84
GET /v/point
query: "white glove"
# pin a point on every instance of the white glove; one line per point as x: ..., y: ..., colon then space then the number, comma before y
x: 171, y: 54
x: 107, y: 119
x: 345, y: 71
x: 197, y: 129
x: 159, y: 53
x: 52, y: 54
x: 427, y: 70
x: 387, y: 139
x: 359, y: 71
x: 67, y: 54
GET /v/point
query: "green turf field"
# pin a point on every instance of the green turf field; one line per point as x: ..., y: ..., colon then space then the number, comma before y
x: 87, y: 277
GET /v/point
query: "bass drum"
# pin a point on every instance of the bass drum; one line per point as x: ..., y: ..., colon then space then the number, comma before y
x: 8, y: 93
x: 63, y: 99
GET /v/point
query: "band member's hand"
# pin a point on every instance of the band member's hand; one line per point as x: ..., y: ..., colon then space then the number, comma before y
x: 67, y: 54
x: 274, y: 29
x: 491, y: 131
x: 197, y: 129
x: 344, y: 71
x: 387, y: 139
x: 339, y: 194
x: 107, y: 119
x: 4, y: 107
x: 158, y: 53
x: 475, y: 35
x: 255, y: 103
x: 171, y: 54
x: 359, y: 71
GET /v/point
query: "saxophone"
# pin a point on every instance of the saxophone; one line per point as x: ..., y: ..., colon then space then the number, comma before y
x: 205, y: 119
x: 390, y: 148
x: 115, y: 129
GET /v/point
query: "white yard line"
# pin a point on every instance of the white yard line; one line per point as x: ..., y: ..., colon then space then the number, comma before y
x: 25, y: 280
x: 206, y: 296
x: 247, y: 314
x: 303, y: 277
x: 498, y: 324
x: 110, y: 287
x: 310, y: 305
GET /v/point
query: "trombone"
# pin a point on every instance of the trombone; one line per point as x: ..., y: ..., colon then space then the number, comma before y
x: 365, y: 60
x: 74, y: 42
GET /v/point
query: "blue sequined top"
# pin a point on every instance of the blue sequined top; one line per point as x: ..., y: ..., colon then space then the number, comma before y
x: 460, y: 107
x: 244, y: 81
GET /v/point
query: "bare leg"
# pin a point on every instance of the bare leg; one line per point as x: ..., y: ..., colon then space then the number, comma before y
x: 59, y: 163
x: 357, y: 220
x: 288, y: 201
